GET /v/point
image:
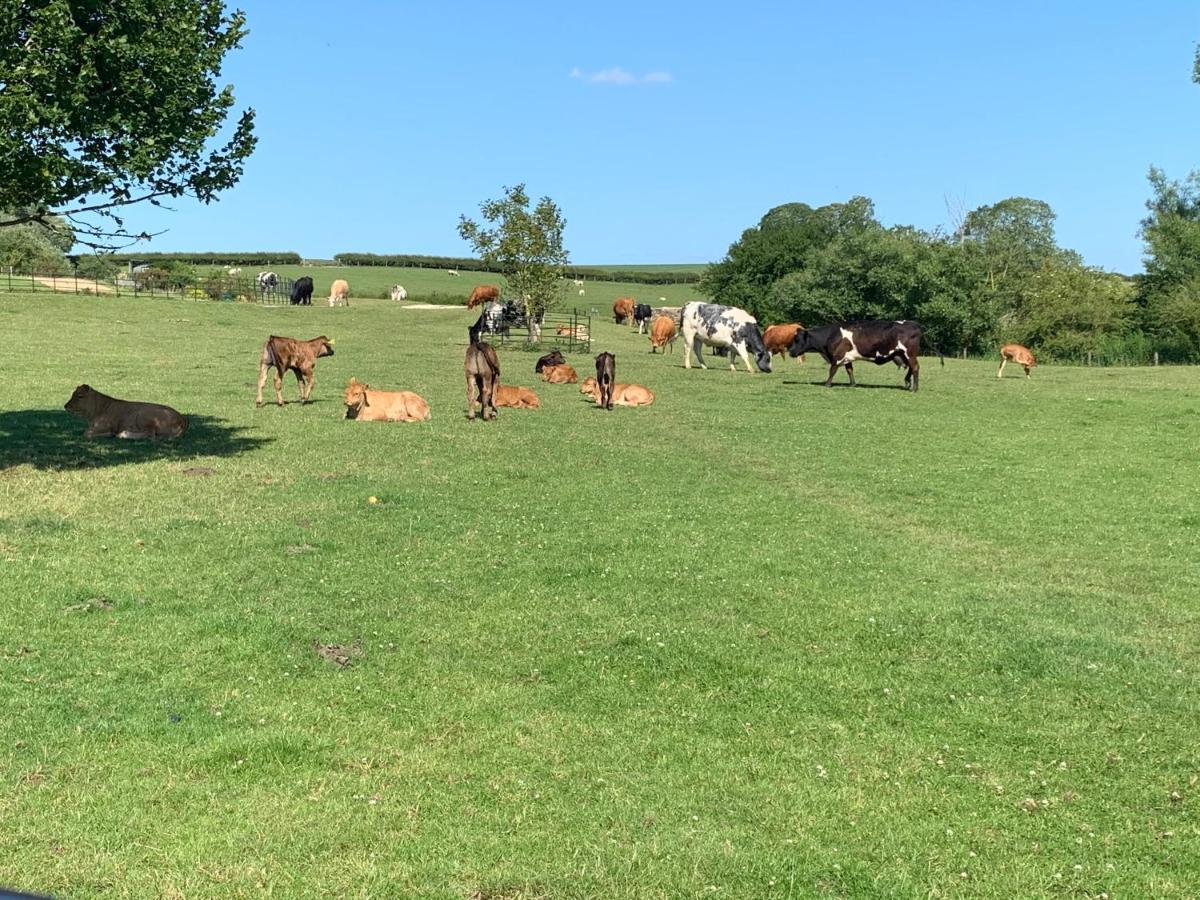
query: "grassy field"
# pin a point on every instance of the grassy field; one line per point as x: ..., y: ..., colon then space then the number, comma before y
x: 377, y: 281
x: 761, y: 639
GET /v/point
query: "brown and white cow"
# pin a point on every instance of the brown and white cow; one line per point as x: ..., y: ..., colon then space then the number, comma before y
x: 286, y: 353
x: 365, y: 404
x: 622, y: 394
x: 623, y: 310
x: 562, y: 374
x: 1018, y: 354
x: 516, y: 397
x: 109, y: 417
x: 875, y: 340
x: 662, y: 334
x: 339, y: 293
x: 481, y: 294
x: 778, y: 339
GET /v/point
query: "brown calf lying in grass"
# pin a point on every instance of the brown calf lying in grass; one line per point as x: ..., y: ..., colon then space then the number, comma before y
x: 1018, y: 354
x: 563, y: 374
x: 109, y: 417
x: 622, y: 395
x: 516, y: 397
x: 367, y: 405
x: 288, y: 353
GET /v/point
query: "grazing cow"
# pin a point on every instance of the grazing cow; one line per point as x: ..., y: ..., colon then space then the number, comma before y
x: 662, y: 333
x: 578, y: 282
x: 516, y: 397
x: 722, y: 327
x: 109, y: 417
x: 453, y: 272
x: 367, y: 405
x: 483, y: 293
x: 622, y: 394
x: 233, y: 271
x: 553, y: 358
x: 1018, y: 354
x: 266, y: 281
x: 877, y: 340
x: 302, y: 291
x: 286, y: 353
x: 778, y: 338
x: 560, y: 374
x: 339, y: 293
x: 482, y: 369
x: 606, y: 377
x: 622, y: 309
x: 641, y: 315
x: 398, y: 292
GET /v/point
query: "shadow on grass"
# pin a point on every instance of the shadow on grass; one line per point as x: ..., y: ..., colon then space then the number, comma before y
x: 846, y: 384
x: 53, y: 439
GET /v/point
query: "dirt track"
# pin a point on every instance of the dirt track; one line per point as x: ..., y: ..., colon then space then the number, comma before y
x: 68, y: 284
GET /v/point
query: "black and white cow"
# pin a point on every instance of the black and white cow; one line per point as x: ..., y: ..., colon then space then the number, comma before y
x: 875, y: 340
x: 722, y: 326
x: 266, y: 281
x: 302, y: 291
x: 642, y: 314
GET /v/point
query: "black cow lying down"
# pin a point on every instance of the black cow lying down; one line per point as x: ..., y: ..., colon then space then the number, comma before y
x: 876, y: 340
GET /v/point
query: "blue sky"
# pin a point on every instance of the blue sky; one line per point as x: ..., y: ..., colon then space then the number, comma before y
x: 663, y: 130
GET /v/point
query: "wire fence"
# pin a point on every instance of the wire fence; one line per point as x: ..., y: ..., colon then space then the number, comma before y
x: 216, y: 286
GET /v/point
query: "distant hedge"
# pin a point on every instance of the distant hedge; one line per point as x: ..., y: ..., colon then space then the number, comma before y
x: 465, y: 264
x: 266, y: 258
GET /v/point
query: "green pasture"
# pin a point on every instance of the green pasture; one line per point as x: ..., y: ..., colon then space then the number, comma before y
x: 761, y: 639
x: 377, y: 281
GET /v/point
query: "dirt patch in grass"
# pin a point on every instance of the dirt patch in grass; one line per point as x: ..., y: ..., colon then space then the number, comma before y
x: 298, y: 549
x: 92, y: 604
x: 197, y: 471
x: 342, y: 655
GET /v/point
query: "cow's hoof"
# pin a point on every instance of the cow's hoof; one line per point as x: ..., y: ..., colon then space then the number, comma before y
x: 258, y: 405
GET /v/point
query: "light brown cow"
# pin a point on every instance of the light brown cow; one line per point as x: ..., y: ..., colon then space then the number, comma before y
x: 563, y: 374
x: 623, y: 309
x: 339, y: 293
x: 286, y: 353
x: 367, y: 405
x: 516, y: 397
x: 109, y: 417
x: 1018, y: 354
x: 778, y: 338
x: 481, y: 294
x: 622, y: 395
x: 662, y: 334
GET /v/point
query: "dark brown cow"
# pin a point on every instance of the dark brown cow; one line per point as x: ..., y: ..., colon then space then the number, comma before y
x: 623, y: 309
x: 286, y: 353
x: 481, y: 294
x: 553, y: 358
x: 1018, y: 354
x: 606, y: 377
x: 482, y: 369
x: 875, y: 340
x: 109, y: 417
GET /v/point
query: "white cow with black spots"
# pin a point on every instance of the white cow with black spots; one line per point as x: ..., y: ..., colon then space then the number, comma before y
x: 266, y: 281
x: 722, y: 326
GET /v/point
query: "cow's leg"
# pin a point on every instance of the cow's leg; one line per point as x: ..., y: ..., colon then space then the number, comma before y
x: 746, y: 359
x: 687, y: 353
x: 1027, y: 371
x: 914, y: 369
x: 278, y: 386
x: 850, y: 372
x: 306, y: 388
x: 489, y: 397
x: 833, y: 367
x: 1000, y: 374
x: 262, y: 380
x: 470, y: 396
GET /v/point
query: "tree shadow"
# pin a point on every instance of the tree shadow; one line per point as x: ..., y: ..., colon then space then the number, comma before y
x: 53, y: 439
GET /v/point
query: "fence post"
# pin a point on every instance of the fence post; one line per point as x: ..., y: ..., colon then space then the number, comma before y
x: 1156, y: 357
x: 1089, y: 357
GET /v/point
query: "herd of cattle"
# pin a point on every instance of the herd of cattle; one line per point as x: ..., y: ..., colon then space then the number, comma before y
x: 727, y: 330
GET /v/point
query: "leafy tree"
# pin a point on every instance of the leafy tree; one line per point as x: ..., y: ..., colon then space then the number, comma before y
x: 1068, y: 309
x: 1170, y: 289
x: 28, y: 250
x: 525, y: 245
x: 1012, y: 236
x: 104, y: 105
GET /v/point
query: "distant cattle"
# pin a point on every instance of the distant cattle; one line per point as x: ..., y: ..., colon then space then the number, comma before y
x: 622, y: 309
x: 876, y: 340
x: 109, y: 417
x: 553, y: 358
x: 266, y: 281
x: 722, y: 326
x: 641, y: 315
x: 606, y: 377
x: 778, y: 338
x: 398, y: 292
x: 339, y: 293
x: 285, y: 353
x: 482, y: 293
x: 302, y: 291
x: 622, y: 394
x: 233, y: 271
x: 578, y: 332
x: 453, y: 272
x: 662, y: 333
x: 516, y: 397
x: 1018, y: 354
x: 560, y: 374
x: 365, y: 404
x: 482, y: 369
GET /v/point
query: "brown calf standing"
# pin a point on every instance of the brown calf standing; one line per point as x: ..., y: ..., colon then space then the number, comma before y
x: 662, y: 334
x: 606, y: 377
x: 482, y: 369
x: 288, y: 353
x: 622, y: 310
x: 1018, y: 354
x: 778, y: 338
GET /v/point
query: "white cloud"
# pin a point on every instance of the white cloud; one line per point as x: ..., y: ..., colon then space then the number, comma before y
x: 619, y: 76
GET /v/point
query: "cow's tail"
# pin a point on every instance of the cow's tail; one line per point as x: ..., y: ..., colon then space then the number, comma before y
x: 941, y: 357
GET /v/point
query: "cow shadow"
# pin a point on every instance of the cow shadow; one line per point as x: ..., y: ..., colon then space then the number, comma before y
x: 861, y: 384
x: 52, y: 439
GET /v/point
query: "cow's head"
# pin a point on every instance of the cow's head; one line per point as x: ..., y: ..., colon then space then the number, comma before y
x: 355, y: 397
x: 590, y: 387
x: 802, y: 343
x: 324, y: 346
x: 754, y: 343
x: 81, y: 401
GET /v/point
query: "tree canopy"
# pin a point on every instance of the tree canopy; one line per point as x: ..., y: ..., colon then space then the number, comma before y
x: 107, y: 104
